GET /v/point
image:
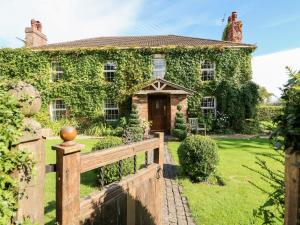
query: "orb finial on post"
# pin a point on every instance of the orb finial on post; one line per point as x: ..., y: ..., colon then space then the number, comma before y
x: 68, y: 134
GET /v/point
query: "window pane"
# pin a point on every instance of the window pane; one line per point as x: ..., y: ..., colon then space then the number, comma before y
x: 109, y: 71
x: 56, y: 71
x: 58, y: 109
x: 159, y: 68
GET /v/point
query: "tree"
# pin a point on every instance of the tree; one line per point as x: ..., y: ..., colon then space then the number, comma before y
x: 265, y: 96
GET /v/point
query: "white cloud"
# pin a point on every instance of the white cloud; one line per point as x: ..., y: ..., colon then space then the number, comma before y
x: 270, y: 70
x: 65, y: 20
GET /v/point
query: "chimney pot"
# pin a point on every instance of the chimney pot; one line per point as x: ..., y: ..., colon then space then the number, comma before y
x: 34, y: 36
x: 234, y: 29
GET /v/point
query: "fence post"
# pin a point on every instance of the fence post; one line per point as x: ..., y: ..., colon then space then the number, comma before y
x: 292, y: 188
x: 159, y: 153
x: 34, y: 190
x: 68, y: 178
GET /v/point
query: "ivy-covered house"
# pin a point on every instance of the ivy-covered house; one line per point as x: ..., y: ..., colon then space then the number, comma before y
x: 98, y: 79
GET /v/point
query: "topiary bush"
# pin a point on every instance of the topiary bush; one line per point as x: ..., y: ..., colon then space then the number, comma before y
x: 198, y: 157
x: 111, y: 173
x: 134, y: 130
x: 180, y: 127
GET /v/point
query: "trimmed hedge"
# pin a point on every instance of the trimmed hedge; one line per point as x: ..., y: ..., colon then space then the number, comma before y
x: 268, y: 112
x: 111, y: 173
x: 198, y: 157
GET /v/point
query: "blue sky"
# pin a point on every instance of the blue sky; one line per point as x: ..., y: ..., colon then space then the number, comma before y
x: 272, y: 25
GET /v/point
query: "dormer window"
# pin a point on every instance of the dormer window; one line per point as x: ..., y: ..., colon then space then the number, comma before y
x: 208, y: 70
x: 159, y: 66
x: 56, y: 71
x: 109, y: 71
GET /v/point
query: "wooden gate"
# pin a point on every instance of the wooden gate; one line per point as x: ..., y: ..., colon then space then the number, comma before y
x: 135, y: 200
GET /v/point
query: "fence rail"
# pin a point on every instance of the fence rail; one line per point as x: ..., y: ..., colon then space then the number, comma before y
x: 137, y: 196
x: 93, y: 160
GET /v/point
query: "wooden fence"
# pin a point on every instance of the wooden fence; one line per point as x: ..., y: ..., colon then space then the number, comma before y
x: 135, y: 199
x: 292, y: 188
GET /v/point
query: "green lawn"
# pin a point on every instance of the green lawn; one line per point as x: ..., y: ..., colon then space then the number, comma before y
x: 233, y: 203
x: 88, y: 179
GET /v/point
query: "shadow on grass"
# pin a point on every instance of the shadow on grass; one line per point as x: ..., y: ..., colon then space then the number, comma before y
x: 49, y: 208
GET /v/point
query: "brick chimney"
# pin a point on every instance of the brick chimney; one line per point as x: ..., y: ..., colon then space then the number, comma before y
x: 34, y: 36
x: 234, y: 30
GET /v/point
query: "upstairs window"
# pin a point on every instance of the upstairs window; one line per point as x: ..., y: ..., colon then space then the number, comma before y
x: 208, y: 69
x: 109, y: 71
x: 56, y: 71
x: 111, y: 110
x: 159, y: 66
x: 58, y: 110
x: 209, y: 106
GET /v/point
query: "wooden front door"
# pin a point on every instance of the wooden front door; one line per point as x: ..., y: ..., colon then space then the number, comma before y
x: 159, y: 112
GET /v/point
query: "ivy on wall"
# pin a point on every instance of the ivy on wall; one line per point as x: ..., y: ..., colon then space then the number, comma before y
x: 83, y: 87
x: 11, y: 159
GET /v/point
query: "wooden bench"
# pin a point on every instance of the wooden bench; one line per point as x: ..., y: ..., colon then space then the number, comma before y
x: 195, y: 126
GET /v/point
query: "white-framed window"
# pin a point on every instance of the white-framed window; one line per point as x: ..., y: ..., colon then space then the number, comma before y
x: 111, y: 110
x: 56, y: 71
x: 58, y: 109
x: 159, y: 66
x: 109, y: 71
x: 209, y: 105
x: 208, y: 70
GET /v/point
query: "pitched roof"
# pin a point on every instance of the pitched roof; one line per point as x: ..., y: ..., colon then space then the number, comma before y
x: 144, y: 41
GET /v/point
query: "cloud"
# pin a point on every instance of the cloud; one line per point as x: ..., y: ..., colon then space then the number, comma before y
x: 65, y: 20
x: 269, y: 70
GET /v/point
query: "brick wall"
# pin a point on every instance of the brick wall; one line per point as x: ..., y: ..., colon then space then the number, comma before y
x: 177, y: 100
x: 141, y: 101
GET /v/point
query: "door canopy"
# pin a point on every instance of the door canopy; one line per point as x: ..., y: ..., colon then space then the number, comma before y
x: 162, y: 86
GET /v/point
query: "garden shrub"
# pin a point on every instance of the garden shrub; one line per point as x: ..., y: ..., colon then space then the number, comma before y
x: 134, y: 130
x: 289, y: 120
x: 111, y: 173
x: 180, y: 127
x: 11, y: 160
x: 268, y: 112
x: 198, y: 157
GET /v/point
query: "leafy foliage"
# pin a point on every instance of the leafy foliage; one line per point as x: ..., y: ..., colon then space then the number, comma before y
x: 134, y: 131
x: 111, y: 172
x: 11, y: 159
x: 198, y: 157
x: 289, y: 120
x: 180, y: 128
x: 264, y: 95
x: 237, y: 101
x: 268, y: 112
x: 83, y: 87
x: 272, y: 210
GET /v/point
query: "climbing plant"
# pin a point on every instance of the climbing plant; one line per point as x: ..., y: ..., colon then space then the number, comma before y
x: 83, y: 87
x: 11, y: 160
